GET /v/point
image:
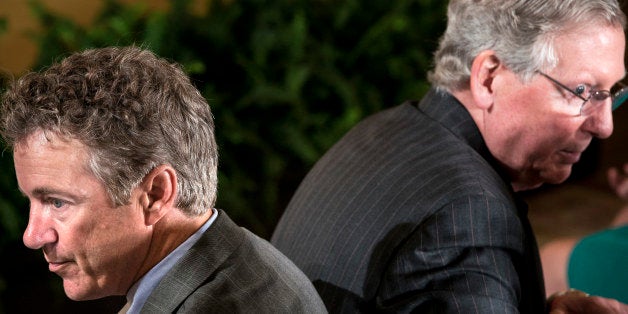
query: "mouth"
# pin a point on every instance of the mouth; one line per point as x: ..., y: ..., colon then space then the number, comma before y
x: 569, y: 157
x: 56, y: 264
x: 56, y: 267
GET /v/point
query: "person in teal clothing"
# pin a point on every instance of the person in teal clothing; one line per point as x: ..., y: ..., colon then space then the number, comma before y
x: 597, y: 263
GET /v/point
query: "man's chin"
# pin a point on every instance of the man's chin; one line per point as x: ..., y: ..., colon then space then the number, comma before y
x: 557, y: 176
x: 77, y: 292
x: 518, y: 187
x: 553, y: 176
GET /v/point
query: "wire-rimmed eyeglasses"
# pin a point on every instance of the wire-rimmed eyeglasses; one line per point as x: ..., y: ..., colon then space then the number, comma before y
x: 596, y: 97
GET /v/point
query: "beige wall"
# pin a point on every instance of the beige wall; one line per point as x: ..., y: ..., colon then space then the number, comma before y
x: 18, y: 51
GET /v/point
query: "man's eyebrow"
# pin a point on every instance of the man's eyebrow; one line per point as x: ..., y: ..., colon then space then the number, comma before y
x: 45, y: 191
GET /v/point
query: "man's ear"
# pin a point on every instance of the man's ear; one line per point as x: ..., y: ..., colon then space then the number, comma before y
x: 159, y: 192
x: 483, y: 71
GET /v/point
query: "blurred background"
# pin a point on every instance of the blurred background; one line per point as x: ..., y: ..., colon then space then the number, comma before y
x: 285, y: 79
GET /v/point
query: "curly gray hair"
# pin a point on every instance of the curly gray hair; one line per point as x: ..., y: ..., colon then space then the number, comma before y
x: 132, y: 110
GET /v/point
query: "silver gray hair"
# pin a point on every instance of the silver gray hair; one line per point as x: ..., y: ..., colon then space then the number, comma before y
x: 521, y: 32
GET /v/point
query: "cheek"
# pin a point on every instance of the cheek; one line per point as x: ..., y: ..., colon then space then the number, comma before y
x: 521, y: 142
x: 105, y: 235
x: 549, y: 143
x: 93, y: 246
x: 110, y: 254
x: 546, y: 139
x: 559, y: 130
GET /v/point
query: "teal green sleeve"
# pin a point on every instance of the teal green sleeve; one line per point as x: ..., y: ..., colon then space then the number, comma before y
x: 599, y: 264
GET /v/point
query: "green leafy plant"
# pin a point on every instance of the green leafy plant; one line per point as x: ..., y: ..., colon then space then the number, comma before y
x: 285, y: 80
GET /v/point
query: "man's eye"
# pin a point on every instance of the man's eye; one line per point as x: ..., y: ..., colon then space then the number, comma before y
x: 57, y: 203
x: 580, y: 89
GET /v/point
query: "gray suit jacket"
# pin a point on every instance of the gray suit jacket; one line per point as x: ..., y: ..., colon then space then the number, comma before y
x: 230, y: 270
x: 409, y: 212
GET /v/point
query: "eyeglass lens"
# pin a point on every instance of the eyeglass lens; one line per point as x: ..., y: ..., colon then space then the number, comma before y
x: 618, y: 97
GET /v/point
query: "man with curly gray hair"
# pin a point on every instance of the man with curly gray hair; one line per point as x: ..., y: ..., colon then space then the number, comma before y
x: 115, y: 150
x: 415, y: 209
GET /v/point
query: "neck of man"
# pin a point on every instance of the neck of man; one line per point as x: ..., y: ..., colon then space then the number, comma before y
x: 168, y: 233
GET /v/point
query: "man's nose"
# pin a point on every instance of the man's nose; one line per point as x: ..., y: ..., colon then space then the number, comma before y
x: 600, y: 122
x: 40, y: 230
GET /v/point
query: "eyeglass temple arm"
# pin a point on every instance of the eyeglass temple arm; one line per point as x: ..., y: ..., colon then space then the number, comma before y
x: 562, y: 85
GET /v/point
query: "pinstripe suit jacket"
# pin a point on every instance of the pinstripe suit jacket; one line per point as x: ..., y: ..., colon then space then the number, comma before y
x: 408, y: 212
x: 230, y: 270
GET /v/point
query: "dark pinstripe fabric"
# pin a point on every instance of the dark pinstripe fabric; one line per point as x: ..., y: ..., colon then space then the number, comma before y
x: 407, y: 213
x: 230, y: 270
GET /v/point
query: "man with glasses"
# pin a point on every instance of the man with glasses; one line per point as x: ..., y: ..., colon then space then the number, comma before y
x: 415, y: 209
x: 593, y: 98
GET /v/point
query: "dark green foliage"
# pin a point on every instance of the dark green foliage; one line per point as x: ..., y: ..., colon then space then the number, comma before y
x: 10, y: 220
x: 285, y: 80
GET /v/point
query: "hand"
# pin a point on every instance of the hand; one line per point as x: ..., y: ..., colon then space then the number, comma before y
x: 574, y: 301
x: 618, y: 181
